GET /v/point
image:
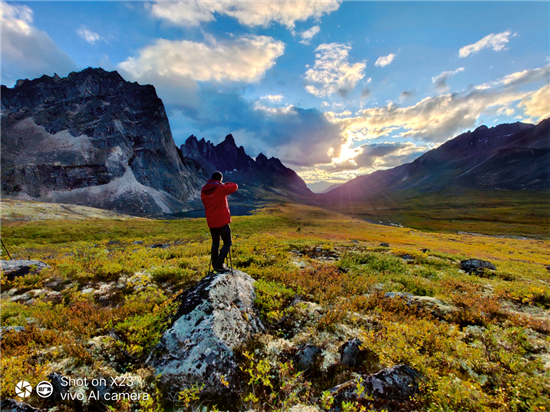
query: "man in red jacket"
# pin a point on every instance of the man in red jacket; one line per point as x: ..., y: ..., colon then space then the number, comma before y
x: 214, y: 198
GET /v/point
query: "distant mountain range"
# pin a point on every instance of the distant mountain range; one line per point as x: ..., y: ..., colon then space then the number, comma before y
x: 94, y: 139
x: 259, y: 179
x: 505, y: 157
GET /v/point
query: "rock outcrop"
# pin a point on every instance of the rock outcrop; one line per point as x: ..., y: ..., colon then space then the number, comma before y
x: 93, y: 139
x: 214, y: 318
x: 16, y: 268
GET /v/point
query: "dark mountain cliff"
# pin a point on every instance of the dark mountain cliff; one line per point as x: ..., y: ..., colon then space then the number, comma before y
x: 505, y: 157
x: 93, y: 139
x: 259, y: 179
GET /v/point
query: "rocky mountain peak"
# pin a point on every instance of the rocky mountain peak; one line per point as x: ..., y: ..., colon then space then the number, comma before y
x: 261, y: 159
x: 229, y: 140
x: 94, y: 139
x: 240, y: 167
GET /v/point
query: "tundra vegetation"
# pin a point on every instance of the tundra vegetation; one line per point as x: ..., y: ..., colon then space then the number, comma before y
x: 479, y: 340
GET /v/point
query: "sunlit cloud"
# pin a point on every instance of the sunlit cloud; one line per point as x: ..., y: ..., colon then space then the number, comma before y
x: 440, y: 81
x: 88, y: 35
x: 308, y: 35
x: 332, y: 73
x: 383, y: 61
x: 273, y: 97
x: 497, y: 42
x: 245, y: 59
x: 439, y: 118
x: 259, y: 13
x: 27, y: 51
x: 537, y: 104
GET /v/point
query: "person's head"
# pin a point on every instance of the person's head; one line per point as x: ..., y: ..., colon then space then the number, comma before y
x: 217, y: 176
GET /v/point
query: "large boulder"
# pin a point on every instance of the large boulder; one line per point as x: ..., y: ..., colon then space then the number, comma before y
x: 15, y: 268
x: 214, y: 318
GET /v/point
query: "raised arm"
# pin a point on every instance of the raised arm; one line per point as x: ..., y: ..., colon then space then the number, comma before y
x: 229, y: 188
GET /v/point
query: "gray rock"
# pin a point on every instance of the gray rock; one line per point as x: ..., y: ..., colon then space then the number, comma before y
x: 384, y: 245
x: 138, y: 242
x: 214, y: 317
x: 10, y: 405
x: 159, y: 246
x: 16, y: 268
x: 424, y: 250
x: 391, y: 388
x: 476, y: 266
x: 405, y: 295
x: 351, y: 353
x: 306, y: 357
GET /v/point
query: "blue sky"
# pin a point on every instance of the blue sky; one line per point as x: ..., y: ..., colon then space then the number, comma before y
x: 334, y: 89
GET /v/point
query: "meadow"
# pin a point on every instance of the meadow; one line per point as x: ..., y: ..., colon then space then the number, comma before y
x: 489, y: 212
x: 480, y: 341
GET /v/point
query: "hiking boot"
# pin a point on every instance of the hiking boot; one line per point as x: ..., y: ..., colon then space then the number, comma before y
x: 222, y: 269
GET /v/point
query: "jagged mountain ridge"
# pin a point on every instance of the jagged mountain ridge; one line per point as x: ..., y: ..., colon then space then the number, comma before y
x: 93, y: 139
x: 505, y: 157
x: 258, y: 178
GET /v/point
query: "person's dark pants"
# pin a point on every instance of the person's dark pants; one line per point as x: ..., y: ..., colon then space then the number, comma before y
x: 225, y: 233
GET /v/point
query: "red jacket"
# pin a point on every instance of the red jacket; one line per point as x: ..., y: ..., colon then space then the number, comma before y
x: 214, y: 198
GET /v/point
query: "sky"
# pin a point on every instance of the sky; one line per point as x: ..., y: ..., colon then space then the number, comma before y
x: 334, y: 89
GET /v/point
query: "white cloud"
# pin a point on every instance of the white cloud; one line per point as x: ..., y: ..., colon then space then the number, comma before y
x: 88, y: 35
x: 440, y: 81
x: 248, y: 13
x: 27, y: 51
x: 527, y: 76
x: 384, y: 60
x: 439, y: 118
x: 276, y: 98
x: 495, y: 41
x: 537, y: 104
x: 308, y: 35
x: 332, y: 73
x: 245, y: 59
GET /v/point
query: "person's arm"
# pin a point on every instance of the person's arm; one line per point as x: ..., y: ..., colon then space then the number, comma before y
x: 229, y: 188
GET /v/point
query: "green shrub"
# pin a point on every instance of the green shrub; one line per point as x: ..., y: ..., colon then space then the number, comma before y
x: 273, y: 298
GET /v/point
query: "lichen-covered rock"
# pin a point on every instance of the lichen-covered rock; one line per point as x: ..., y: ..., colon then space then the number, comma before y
x: 391, y: 388
x: 476, y: 265
x: 16, y: 268
x: 214, y: 318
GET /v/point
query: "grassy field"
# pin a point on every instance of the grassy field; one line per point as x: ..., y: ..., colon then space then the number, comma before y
x: 481, y: 342
x: 497, y: 213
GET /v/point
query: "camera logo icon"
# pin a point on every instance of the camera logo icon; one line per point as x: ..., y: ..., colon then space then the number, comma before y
x: 23, y: 389
x: 44, y: 389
